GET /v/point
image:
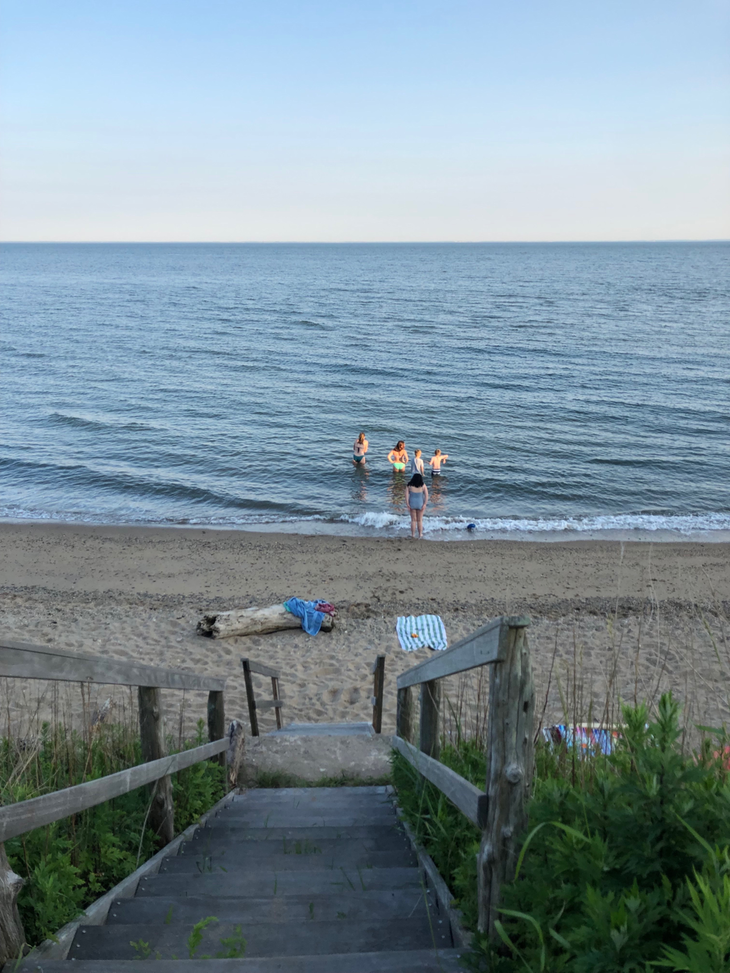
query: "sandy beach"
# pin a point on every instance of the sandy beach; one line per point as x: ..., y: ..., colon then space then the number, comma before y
x: 609, y: 619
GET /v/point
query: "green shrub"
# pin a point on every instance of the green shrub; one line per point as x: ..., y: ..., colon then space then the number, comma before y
x: 611, y: 866
x: 625, y: 867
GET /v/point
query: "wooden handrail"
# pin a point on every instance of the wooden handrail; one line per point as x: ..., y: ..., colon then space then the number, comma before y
x: 23, y: 660
x: 486, y: 645
x: 469, y: 799
x: 249, y: 668
x: 499, y: 811
x: 261, y: 670
x: 17, y: 819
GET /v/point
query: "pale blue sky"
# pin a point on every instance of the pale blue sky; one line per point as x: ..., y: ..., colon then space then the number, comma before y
x: 221, y: 120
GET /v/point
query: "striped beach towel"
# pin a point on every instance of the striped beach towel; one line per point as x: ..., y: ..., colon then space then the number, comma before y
x: 421, y: 631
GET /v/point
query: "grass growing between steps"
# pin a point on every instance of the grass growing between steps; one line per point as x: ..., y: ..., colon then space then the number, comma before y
x: 69, y: 864
x: 625, y: 865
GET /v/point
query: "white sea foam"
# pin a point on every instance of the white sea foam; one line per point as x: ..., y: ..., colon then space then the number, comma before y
x: 711, y: 525
x: 686, y: 524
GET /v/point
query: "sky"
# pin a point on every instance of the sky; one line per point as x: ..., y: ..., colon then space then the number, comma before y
x: 227, y: 120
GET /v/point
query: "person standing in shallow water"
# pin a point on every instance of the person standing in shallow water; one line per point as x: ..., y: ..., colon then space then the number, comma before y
x: 359, y: 449
x: 416, y: 500
x: 417, y: 463
x: 398, y: 456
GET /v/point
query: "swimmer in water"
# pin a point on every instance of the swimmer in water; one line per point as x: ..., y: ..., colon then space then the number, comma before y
x: 398, y: 456
x: 436, y: 460
x: 359, y: 449
x: 417, y: 463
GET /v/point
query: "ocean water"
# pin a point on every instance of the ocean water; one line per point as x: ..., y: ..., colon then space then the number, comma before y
x: 579, y: 389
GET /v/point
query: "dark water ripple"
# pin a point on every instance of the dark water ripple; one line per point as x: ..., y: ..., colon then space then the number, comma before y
x: 574, y: 386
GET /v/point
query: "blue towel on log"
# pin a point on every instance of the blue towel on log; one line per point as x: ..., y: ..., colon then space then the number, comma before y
x: 311, y: 618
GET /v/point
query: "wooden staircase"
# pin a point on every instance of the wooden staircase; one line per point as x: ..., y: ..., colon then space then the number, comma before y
x: 315, y: 880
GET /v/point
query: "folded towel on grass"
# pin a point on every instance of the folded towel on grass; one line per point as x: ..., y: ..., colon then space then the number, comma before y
x: 420, y: 632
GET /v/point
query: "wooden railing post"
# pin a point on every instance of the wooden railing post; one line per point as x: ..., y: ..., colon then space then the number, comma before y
x: 251, y: 699
x: 152, y: 733
x: 275, y: 694
x: 378, y: 689
x: 216, y: 721
x: 12, y: 935
x: 509, y: 770
x: 430, y: 706
x: 404, y: 715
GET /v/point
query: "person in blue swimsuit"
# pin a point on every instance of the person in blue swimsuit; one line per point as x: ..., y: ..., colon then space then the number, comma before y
x: 359, y: 449
x: 416, y: 500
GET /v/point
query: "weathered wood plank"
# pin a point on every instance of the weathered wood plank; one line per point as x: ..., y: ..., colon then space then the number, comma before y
x: 270, y: 704
x: 404, y: 715
x: 509, y: 774
x: 430, y: 741
x: 216, y: 721
x: 261, y: 670
x: 396, y: 961
x: 12, y: 934
x: 275, y: 693
x: 250, y: 696
x: 152, y: 737
x: 378, y: 690
x: 486, y: 645
x: 16, y: 819
x: 27, y: 661
x: 461, y: 937
x: 469, y: 799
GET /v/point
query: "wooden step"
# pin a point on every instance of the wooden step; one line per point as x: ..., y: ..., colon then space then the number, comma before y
x: 325, y: 730
x: 149, y: 909
x: 321, y: 792
x: 216, y: 844
x: 235, y: 832
x: 239, y: 860
x: 318, y: 795
x: 402, y: 961
x: 274, y: 817
x: 308, y: 938
x: 262, y: 882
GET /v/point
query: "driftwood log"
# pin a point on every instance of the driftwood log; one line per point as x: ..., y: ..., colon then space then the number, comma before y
x: 253, y: 621
x: 12, y: 937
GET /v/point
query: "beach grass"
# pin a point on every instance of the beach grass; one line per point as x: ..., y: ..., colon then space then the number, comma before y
x: 68, y: 864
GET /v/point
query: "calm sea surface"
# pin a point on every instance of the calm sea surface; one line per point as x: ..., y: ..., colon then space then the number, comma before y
x: 576, y: 388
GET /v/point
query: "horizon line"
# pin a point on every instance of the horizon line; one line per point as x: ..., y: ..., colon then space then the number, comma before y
x: 309, y: 243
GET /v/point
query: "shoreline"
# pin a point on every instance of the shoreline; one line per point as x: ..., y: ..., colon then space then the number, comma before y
x: 320, y: 527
